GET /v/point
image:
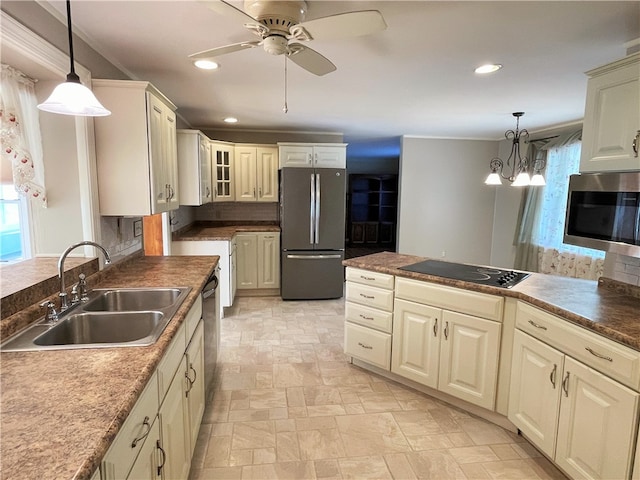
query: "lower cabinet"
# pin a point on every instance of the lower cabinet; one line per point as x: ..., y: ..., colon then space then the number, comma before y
x: 636, y: 469
x: 258, y: 260
x: 449, y: 351
x: 158, y: 437
x: 585, y: 421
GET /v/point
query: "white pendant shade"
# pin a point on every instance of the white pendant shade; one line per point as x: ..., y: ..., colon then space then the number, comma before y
x: 538, y: 180
x: 71, y: 98
x: 522, y: 180
x: 493, y: 179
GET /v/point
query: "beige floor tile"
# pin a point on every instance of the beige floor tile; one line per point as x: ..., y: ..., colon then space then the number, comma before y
x: 371, y: 434
x: 510, y: 469
x: 320, y: 444
x: 253, y: 435
x: 289, y: 404
x: 364, y: 467
x: 438, y: 464
x: 399, y: 466
x: 283, y: 471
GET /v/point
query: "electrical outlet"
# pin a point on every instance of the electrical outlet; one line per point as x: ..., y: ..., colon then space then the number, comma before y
x: 137, y: 228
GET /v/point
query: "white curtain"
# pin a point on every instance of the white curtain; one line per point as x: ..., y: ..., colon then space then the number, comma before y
x: 20, y: 134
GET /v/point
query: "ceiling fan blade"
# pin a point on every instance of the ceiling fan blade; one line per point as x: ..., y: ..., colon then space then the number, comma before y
x: 224, y: 8
x: 350, y: 24
x: 216, y: 52
x: 310, y: 60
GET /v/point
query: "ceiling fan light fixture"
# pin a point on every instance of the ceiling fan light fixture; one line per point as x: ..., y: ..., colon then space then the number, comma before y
x: 488, y: 68
x: 71, y: 97
x: 275, y: 44
x: 206, y: 64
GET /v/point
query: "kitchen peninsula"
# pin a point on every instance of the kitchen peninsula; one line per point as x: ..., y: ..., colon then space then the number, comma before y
x: 62, y: 409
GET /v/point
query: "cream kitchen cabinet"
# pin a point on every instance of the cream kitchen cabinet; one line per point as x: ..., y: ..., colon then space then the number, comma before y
x: 158, y: 435
x: 636, y: 469
x: 136, y: 149
x: 194, y: 168
x: 222, y: 160
x: 258, y: 260
x: 256, y: 173
x: 611, y: 131
x: 329, y: 155
x: 448, y: 339
x: 368, y: 315
x: 581, y: 418
x: 226, y: 250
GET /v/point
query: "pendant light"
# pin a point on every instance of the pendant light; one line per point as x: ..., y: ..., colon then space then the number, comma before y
x: 71, y: 97
x: 519, y: 166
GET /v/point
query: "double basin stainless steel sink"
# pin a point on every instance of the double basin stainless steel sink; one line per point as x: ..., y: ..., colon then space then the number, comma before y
x: 125, y: 317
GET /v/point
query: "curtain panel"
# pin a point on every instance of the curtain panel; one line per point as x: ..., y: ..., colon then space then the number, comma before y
x: 20, y: 134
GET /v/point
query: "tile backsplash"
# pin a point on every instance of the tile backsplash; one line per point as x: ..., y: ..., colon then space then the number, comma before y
x: 238, y: 212
x: 622, y: 268
x: 118, y: 236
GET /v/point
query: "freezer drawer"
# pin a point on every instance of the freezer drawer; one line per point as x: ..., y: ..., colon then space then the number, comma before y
x: 312, y: 275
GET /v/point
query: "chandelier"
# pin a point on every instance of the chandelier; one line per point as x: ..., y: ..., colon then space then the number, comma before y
x: 517, y: 167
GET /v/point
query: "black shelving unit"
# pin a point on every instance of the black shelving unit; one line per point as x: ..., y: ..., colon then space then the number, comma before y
x: 372, y: 209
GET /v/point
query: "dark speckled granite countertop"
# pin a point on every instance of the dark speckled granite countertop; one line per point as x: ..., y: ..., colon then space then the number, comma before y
x: 62, y: 409
x: 604, y: 307
x: 220, y: 230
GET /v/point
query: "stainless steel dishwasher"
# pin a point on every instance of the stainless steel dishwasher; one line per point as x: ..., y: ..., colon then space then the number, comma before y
x: 211, y: 318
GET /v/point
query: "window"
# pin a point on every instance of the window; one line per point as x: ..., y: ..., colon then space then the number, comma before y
x: 14, y: 226
x: 562, y: 161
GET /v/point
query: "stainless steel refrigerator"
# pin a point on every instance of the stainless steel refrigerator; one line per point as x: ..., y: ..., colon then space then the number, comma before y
x: 312, y: 214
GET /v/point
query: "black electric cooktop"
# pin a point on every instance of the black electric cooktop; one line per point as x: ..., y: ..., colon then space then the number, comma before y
x: 469, y: 273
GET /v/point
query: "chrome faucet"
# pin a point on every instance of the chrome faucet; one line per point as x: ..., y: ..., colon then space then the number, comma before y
x: 64, y: 303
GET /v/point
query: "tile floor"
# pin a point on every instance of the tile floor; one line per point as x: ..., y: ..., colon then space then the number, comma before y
x: 290, y: 406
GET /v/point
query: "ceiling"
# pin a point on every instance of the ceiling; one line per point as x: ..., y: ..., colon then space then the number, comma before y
x: 414, y: 78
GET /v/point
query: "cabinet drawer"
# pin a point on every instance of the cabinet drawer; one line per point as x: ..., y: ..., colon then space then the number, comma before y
x: 370, y: 296
x: 463, y: 301
x: 613, y: 359
x: 369, y: 345
x: 123, y: 452
x: 368, y: 277
x: 192, y: 319
x: 369, y: 317
x: 170, y: 362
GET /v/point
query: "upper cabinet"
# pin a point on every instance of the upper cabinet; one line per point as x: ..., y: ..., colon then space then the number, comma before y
x: 326, y: 155
x: 611, y: 131
x: 223, y: 175
x: 194, y: 168
x: 256, y: 173
x: 136, y: 149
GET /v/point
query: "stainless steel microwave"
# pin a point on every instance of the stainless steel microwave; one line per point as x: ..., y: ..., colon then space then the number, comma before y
x: 603, y: 212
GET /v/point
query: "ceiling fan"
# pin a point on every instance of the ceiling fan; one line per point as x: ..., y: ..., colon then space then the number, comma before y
x: 280, y: 26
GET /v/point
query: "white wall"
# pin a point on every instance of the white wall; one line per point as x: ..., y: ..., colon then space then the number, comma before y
x: 60, y: 224
x: 444, y: 204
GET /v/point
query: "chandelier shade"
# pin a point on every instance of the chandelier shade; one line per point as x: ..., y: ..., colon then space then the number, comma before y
x: 71, y: 97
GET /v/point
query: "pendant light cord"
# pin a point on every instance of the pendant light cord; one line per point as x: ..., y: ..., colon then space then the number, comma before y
x: 285, y: 109
x: 71, y: 76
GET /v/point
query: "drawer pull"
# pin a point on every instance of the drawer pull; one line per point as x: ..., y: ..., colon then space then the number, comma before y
x: 164, y: 457
x: 565, y: 385
x: 368, y: 297
x: 596, y: 354
x: 634, y: 145
x: 435, y: 328
x: 364, y: 345
x: 146, y: 423
x: 446, y: 330
x: 552, y: 376
x: 541, y: 327
x: 370, y: 279
x: 365, y: 317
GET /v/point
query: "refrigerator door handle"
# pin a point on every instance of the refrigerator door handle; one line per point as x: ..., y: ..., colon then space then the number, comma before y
x: 317, y: 215
x: 312, y: 210
x: 312, y: 257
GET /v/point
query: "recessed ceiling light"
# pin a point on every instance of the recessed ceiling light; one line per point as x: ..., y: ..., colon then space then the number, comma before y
x: 206, y: 64
x: 488, y: 68
x: 231, y: 120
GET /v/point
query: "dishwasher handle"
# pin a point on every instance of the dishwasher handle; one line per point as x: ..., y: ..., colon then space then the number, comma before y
x: 210, y: 288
